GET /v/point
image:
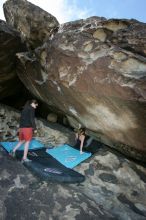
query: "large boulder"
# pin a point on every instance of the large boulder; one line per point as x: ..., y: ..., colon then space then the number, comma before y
x: 94, y: 71
x: 34, y: 24
x: 10, y: 44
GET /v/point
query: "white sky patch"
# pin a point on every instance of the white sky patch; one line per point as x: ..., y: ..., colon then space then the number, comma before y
x: 63, y: 10
x: 1, y: 10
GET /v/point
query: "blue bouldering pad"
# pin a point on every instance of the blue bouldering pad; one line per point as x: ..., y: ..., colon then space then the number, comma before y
x: 43, y: 165
x: 68, y: 156
x: 34, y: 144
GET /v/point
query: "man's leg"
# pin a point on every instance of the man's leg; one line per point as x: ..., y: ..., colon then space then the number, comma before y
x: 28, y: 138
x: 12, y: 152
x: 21, y: 140
x: 26, y: 146
x: 18, y: 145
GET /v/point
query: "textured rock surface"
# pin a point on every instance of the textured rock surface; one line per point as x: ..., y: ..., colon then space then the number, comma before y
x: 95, y: 77
x: 114, y: 189
x: 24, y: 197
x: 115, y: 183
x: 34, y: 24
x: 10, y: 44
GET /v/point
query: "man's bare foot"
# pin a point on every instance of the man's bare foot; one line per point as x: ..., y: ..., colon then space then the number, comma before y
x: 81, y: 152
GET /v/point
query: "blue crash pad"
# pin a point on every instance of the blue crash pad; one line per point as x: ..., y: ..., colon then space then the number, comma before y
x: 34, y: 144
x: 67, y: 155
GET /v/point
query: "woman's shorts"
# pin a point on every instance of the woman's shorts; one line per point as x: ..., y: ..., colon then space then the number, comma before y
x: 25, y: 134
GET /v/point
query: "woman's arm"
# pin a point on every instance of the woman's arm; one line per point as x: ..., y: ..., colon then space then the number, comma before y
x: 76, y: 136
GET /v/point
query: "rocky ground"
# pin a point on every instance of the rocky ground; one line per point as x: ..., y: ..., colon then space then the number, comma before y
x: 116, y: 183
x: 114, y: 189
x: 22, y: 196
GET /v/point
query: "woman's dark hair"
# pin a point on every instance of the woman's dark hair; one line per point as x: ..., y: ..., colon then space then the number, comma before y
x: 82, y: 131
x: 29, y: 102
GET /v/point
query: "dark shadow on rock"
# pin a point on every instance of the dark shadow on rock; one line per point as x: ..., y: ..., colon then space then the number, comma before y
x: 122, y: 198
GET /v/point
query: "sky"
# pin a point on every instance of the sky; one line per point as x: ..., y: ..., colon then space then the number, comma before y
x: 69, y: 10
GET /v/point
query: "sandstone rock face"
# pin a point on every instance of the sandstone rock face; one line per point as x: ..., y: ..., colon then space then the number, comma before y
x: 95, y: 77
x: 35, y: 24
x: 93, y: 71
x: 52, y: 117
x: 10, y: 44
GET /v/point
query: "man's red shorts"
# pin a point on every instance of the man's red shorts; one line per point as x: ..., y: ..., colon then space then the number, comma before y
x: 25, y: 134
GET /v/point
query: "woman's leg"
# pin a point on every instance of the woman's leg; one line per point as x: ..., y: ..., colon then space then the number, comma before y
x: 82, y: 143
x: 81, y: 149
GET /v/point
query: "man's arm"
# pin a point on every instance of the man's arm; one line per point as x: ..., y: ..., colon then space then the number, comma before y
x: 32, y: 118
